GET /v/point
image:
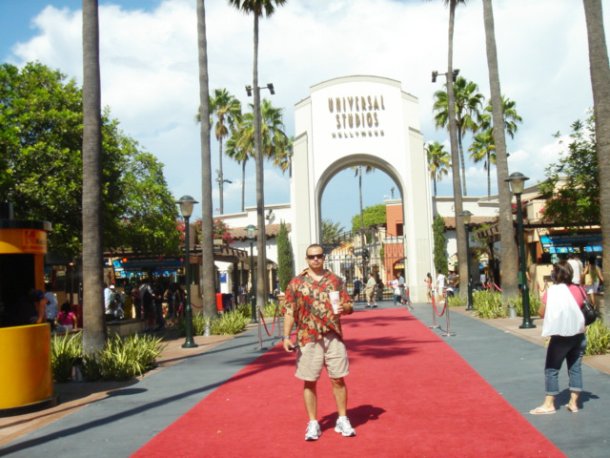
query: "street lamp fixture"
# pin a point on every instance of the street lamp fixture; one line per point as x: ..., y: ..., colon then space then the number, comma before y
x: 186, y: 204
x: 455, y: 74
x: 251, y: 235
x: 466, y: 216
x: 268, y: 86
x: 517, y: 183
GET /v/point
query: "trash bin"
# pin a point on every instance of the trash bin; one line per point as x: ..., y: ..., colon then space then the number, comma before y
x: 219, y: 302
x: 26, y: 379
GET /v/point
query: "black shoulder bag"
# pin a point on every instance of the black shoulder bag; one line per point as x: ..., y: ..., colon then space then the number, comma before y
x: 588, y: 310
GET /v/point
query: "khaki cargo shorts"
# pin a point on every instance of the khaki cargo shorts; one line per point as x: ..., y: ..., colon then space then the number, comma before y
x: 329, y: 351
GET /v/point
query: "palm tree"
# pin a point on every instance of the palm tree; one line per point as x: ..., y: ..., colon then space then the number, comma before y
x: 468, y: 102
x: 258, y: 8
x: 600, y: 82
x: 227, y: 110
x: 94, y: 329
x: 438, y: 162
x: 207, y: 248
x: 508, y: 248
x: 276, y: 144
x: 359, y: 170
x: 460, y: 230
x: 331, y: 231
x: 483, y: 147
x: 241, y: 150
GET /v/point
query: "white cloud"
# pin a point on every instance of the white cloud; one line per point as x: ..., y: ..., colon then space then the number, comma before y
x: 150, y: 73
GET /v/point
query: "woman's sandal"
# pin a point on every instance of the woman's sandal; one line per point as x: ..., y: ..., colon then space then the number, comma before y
x: 541, y: 410
x: 571, y: 409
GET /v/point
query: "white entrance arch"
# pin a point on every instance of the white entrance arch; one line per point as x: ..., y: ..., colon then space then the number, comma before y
x: 362, y: 120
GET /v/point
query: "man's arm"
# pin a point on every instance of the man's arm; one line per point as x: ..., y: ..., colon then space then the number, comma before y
x: 289, y: 304
x: 288, y: 323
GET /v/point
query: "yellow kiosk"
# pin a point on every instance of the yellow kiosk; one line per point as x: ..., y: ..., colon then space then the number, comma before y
x: 25, y: 349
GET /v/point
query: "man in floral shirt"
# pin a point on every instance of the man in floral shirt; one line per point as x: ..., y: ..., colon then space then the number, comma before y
x: 319, y: 337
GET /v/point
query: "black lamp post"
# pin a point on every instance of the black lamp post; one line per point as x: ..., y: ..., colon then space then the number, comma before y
x: 466, y: 215
x: 517, y: 183
x: 251, y: 234
x: 186, y: 210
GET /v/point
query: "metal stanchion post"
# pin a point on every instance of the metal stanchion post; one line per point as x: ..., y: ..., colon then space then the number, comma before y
x: 433, y: 303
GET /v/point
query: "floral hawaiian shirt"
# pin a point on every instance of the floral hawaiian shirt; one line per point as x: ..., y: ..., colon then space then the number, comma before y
x: 308, y: 302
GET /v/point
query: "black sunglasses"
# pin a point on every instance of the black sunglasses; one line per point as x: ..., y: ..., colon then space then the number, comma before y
x: 315, y: 256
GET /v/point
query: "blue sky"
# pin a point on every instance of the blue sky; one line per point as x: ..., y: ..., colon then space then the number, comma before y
x: 149, y: 72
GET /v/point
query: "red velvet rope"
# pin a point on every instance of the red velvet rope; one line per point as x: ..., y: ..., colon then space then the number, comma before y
x: 275, y: 320
x: 491, y: 285
x: 496, y: 287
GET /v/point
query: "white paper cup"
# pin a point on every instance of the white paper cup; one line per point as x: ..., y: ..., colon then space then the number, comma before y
x: 335, y: 301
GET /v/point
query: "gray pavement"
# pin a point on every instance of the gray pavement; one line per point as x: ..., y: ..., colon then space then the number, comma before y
x: 121, y: 423
x: 515, y: 368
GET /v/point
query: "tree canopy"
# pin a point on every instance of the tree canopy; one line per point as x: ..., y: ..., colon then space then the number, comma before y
x: 285, y: 259
x: 41, y: 128
x: 571, y: 188
x: 374, y: 215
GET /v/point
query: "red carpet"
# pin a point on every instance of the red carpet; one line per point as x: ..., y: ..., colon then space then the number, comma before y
x: 410, y: 394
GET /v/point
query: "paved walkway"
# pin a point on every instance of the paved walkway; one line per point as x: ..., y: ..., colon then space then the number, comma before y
x: 115, y: 419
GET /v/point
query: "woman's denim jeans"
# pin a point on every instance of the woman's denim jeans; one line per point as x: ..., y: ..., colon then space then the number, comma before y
x: 572, y: 350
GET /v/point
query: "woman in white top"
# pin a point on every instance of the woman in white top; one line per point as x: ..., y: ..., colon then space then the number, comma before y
x: 565, y: 324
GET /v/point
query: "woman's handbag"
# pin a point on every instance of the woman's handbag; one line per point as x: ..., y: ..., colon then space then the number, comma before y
x: 588, y: 310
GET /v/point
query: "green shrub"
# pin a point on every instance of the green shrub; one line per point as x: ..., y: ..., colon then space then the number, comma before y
x: 456, y: 301
x: 122, y: 359
x: 488, y: 304
x: 598, y: 339
x: 245, y: 309
x: 229, y: 323
x: 66, y: 350
x: 272, y: 309
x: 535, y: 303
x: 200, y: 323
x: 90, y: 367
x: 119, y: 360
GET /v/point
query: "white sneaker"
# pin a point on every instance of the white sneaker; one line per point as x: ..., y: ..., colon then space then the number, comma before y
x: 344, y: 427
x: 313, y: 431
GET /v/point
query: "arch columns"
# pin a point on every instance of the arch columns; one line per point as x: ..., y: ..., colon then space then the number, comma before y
x: 362, y: 120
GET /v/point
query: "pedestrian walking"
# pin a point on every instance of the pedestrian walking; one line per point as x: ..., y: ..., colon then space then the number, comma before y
x: 564, y: 323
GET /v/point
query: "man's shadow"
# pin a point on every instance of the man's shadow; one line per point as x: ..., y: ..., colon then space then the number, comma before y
x: 357, y: 416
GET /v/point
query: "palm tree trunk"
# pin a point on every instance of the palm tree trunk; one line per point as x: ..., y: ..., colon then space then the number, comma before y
x: 488, y: 174
x: 221, y: 179
x: 455, y: 163
x: 94, y: 326
x: 462, y: 162
x: 364, y: 266
x: 600, y: 82
x: 243, y: 186
x: 207, y: 249
x: 261, y: 265
x: 508, y: 248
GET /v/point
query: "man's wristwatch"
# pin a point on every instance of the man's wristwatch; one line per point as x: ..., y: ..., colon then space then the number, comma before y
x: 285, y: 337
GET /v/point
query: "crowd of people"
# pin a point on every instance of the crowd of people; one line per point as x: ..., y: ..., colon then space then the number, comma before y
x: 154, y: 302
